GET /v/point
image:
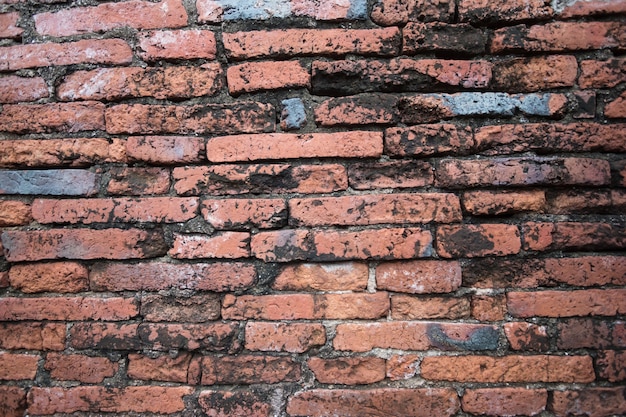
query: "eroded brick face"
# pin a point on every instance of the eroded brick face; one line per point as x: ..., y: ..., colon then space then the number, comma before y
x: 358, y: 208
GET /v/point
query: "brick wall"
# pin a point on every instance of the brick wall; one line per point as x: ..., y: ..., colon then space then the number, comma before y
x: 313, y: 208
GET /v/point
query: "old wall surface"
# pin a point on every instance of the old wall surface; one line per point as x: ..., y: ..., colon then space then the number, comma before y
x: 313, y: 208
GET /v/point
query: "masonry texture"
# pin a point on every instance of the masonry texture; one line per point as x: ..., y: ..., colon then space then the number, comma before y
x: 281, y: 208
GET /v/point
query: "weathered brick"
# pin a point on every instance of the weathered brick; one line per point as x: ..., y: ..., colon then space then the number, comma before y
x: 348, y: 371
x: 135, y: 399
x: 122, y: 210
x: 104, y: 17
x: 108, y: 336
x: 503, y: 369
x: 462, y: 39
x: 248, y: 369
x: 243, y: 117
x: 234, y: 404
x: 264, y: 213
x: 534, y: 74
x: 270, y: 75
x: 89, y: 369
x: 585, y: 104
x: 527, y: 336
x: 610, y: 365
x: 14, y: 89
x: 359, y: 76
x: 87, y: 51
x: 594, y: 302
x: 586, y: 333
x: 471, y: 240
x: 557, y: 36
x: 304, y: 42
x: 335, y: 10
x: 293, y: 115
x: 363, y: 109
x: 17, y: 366
x: 419, y: 277
x: 306, y: 306
x: 192, y: 309
x: 284, y: 337
x: 214, y: 336
x: 505, y: 401
x: 618, y: 169
x: 4, y: 275
x: 157, y: 276
x: 416, y: 402
x: 616, y: 109
x: 322, y: 245
x: 573, y: 236
x: 111, y: 84
x: 592, y: 402
x: 165, y: 149
x: 414, y: 335
x: 9, y: 26
x: 514, y: 171
x: 177, y: 44
x: 489, y: 308
x: 601, y: 201
x: 404, y: 307
x: 82, y: 244
x: 390, y: 174
x: 344, y: 276
x: 32, y: 336
x: 375, y: 209
x: 12, y: 401
x: 49, y: 182
x: 162, y: 368
x: 226, y: 245
x: 138, y: 181
x: 495, y: 203
x: 503, y: 10
x: 52, y: 117
x: 260, y: 179
x: 14, y: 213
x: 67, y: 308
x: 395, y: 12
x: 591, y: 8
x: 602, y: 74
x: 60, y: 277
x: 401, y: 367
x: 424, y: 140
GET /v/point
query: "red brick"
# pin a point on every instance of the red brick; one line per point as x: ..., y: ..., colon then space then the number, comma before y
x: 15, y: 366
x: 122, y: 210
x: 111, y: 84
x: 462, y: 39
x: 536, y: 73
x: 32, y: 336
x: 478, y: 240
x: 67, y: 308
x: 226, y: 245
x: 185, y: 309
x: 177, y: 44
x: 322, y: 245
x: 592, y: 402
x: 52, y: 117
x: 348, y: 371
x: 522, y: 172
x: 494, y: 203
x: 165, y: 149
x: 424, y: 140
x: 14, y: 213
x: 527, y: 336
x: 602, y: 74
x: 60, y: 152
x: 248, y: 369
x: 12, y: 401
x: 306, y: 306
x: 138, y: 181
x: 15, y: 89
x: 8, y: 25
x: 619, y: 171
x: 161, y: 368
x: 344, y: 276
x: 107, y: 336
x: 260, y: 179
x: 505, y: 401
x: 364, y: 109
x: 602, y: 201
x: 415, y: 402
x: 137, y: 399
x: 59, y: 277
x: 4, y: 275
x: 589, y: 333
x: 592, y: 8
x: 270, y: 75
x: 401, y: 367
x: 504, y: 369
x: 394, y: 12
x: 573, y: 236
x: 157, y: 276
x: 134, y: 13
x: 284, y: 337
x: 234, y: 404
x: 243, y: 117
x: 557, y: 36
x: 419, y: 277
x: 86, y: 51
x: 359, y: 144
x: 303, y: 42
x: 503, y: 10
x: 81, y: 368
x: 390, y: 174
x: 616, y: 109
x: 213, y: 336
x: 611, y: 365
x: 567, y: 303
x: 404, y: 307
x: 82, y: 244
x: 414, y: 335
x: 489, y: 308
x: 262, y: 213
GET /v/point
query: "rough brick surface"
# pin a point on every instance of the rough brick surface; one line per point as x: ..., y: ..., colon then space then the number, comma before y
x: 504, y: 401
x: 61, y: 277
x: 20, y: 89
x: 59, y: 117
x: 177, y: 44
x: 80, y: 368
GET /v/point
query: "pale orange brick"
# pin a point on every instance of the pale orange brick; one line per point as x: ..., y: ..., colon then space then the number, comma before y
x: 162, y: 368
x: 342, y: 276
x: 80, y: 367
x: 284, y: 337
x: 348, y: 371
x: 14, y: 89
x: 419, y: 277
x: 494, y: 203
x: 17, y: 366
x: 60, y: 277
x: 264, y: 213
x: 32, y: 336
x: 271, y: 75
x: 404, y: 307
x: 595, y: 302
x: 14, y: 213
x: 67, y: 308
x: 52, y: 117
x: 165, y: 149
x: 616, y: 109
x: 177, y: 44
x: 602, y: 74
x: 227, y: 245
